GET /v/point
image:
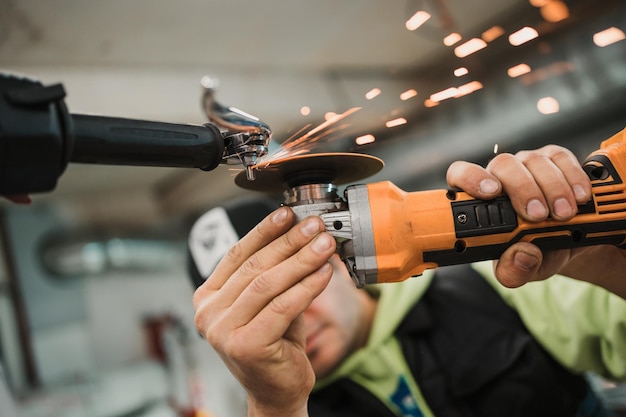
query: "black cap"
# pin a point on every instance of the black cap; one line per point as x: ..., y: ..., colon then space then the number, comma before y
x: 214, y: 232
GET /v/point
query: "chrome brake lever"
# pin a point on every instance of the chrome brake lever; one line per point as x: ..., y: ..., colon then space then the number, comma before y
x: 246, y: 138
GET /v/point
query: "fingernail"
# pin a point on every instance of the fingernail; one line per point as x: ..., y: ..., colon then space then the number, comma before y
x: 525, y: 261
x: 322, y: 243
x: 488, y: 186
x: 310, y: 227
x: 536, y: 209
x: 325, y: 268
x: 562, y: 208
x: 279, y: 216
x: 579, y: 192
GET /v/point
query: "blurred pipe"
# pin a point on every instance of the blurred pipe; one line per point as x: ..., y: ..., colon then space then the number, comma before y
x: 86, y: 258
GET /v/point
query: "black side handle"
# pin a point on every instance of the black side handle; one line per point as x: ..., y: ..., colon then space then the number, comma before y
x: 119, y: 141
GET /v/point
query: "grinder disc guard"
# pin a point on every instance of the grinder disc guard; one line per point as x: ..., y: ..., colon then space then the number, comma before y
x: 321, y: 168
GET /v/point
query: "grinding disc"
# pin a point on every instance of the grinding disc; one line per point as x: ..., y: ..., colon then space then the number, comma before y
x: 321, y: 168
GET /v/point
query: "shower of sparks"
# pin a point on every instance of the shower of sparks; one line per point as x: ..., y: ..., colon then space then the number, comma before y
x: 235, y: 171
x: 300, y: 143
x: 295, y: 135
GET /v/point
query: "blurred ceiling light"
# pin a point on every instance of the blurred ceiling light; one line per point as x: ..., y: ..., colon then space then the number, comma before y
x: 305, y: 110
x: 608, y: 36
x: 469, y: 47
x: 429, y: 103
x: 372, y: 93
x: 522, y: 36
x: 396, y: 122
x: 330, y: 115
x: 451, y: 39
x: 408, y: 94
x: 417, y: 20
x: 538, y: 3
x: 444, y: 94
x: 492, y: 33
x: 554, y: 11
x: 548, y: 105
x: 468, y: 88
x: 518, y: 70
x: 365, y: 139
x: 455, y: 92
x: 461, y: 71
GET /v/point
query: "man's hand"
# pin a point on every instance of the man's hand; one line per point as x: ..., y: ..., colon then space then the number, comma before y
x: 250, y: 310
x: 545, y: 182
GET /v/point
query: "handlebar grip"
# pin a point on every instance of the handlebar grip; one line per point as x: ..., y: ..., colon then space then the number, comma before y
x: 119, y: 141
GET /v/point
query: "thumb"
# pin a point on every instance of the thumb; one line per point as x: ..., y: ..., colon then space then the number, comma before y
x: 518, y: 265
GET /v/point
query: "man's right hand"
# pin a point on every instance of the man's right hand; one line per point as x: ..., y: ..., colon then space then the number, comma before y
x: 544, y: 182
x: 250, y: 310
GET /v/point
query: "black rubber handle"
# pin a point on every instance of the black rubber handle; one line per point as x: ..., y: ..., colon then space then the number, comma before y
x: 118, y: 141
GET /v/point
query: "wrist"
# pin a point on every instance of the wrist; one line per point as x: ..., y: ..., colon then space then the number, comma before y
x: 257, y: 409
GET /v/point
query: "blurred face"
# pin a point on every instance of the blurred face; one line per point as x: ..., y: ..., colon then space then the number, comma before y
x: 338, y: 321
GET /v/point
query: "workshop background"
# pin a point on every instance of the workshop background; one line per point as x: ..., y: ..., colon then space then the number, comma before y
x: 95, y: 298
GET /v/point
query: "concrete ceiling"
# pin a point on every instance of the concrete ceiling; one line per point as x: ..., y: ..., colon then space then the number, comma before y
x: 144, y: 59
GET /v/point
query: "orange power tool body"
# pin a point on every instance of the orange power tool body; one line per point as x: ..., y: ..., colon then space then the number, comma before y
x: 396, y: 234
x: 385, y: 234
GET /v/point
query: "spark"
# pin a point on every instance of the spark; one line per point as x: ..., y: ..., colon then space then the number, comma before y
x: 302, y: 129
x: 300, y: 142
x: 235, y: 171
